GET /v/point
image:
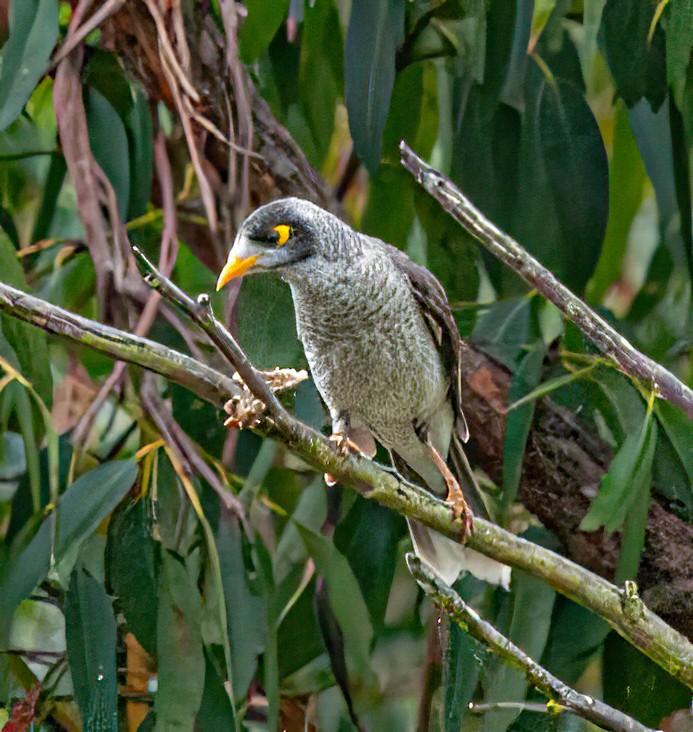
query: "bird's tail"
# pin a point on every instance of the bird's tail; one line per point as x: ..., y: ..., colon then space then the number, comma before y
x: 448, y: 558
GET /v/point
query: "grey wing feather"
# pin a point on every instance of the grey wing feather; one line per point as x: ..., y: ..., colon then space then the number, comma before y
x: 435, y: 308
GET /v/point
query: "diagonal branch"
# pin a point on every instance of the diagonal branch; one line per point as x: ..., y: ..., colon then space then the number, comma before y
x: 621, y: 608
x: 561, y: 695
x: 609, y: 341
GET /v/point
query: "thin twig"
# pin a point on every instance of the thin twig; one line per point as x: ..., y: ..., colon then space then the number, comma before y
x: 75, y: 38
x: 470, y: 621
x: 201, y: 379
x: 504, y: 247
x: 621, y: 608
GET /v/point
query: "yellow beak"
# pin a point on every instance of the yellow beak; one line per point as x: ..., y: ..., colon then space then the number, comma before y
x: 235, y: 267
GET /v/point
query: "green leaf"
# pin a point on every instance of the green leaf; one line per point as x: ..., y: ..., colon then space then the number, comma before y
x: 244, y: 605
x: 77, y: 514
x: 626, y: 185
x: 321, y: 72
x: 260, y: 26
x: 268, y: 333
x: 28, y: 343
x: 376, y: 30
x: 519, y: 421
x: 575, y: 638
x: 577, y: 173
x: 368, y: 537
x: 532, y: 603
x: 636, y: 61
x: 180, y: 654
x: 628, y: 477
x: 33, y: 32
x: 512, y: 92
x: 638, y: 686
x: 506, y: 331
x: 345, y: 597
x: 109, y: 144
x: 132, y: 568
x: 674, y: 478
x: 679, y: 31
x: 138, y: 125
x: 215, y: 710
x: 90, y: 632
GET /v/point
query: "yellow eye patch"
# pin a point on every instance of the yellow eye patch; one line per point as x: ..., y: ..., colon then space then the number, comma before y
x: 285, y: 233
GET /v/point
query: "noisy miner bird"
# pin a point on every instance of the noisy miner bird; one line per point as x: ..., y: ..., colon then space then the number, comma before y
x: 384, y: 352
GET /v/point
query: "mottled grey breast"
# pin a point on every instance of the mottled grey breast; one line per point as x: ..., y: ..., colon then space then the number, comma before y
x: 371, y: 354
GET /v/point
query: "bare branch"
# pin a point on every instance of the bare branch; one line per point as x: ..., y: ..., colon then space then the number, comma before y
x: 561, y: 694
x: 504, y: 247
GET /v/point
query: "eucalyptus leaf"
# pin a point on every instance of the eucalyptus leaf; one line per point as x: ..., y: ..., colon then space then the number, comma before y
x: 181, y: 660
x: 376, y: 30
x: 629, y: 475
x: 76, y: 515
x: 90, y: 631
x: 33, y: 33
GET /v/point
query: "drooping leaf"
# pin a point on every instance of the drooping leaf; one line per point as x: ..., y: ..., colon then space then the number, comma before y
x: 33, y: 32
x: 215, y: 708
x: 679, y: 33
x: 636, y: 61
x: 321, y: 74
x: 77, y: 514
x: 181, y: 660
x: 132, y: 567
x: 519, y: 421
x: 376, y: 30
x: 244, y: 605
x: 629, y: 475
x: 109, y: 144
x: 368, y: 536
x: 575, y: 638
x: 577, y: 177
x: 90, y: 632
x: 512, y: 92
x: 532, y: 603
x: 345, y: 598
x: 260, y: 26
x: 626, y: 182
x: 673, y: 465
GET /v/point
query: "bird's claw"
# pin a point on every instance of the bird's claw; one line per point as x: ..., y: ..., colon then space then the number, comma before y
x: 460, y: 510
x: 344, y: 444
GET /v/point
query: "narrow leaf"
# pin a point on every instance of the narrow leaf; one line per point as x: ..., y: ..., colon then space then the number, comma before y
x: 376, y: 30
x: 33, y: 32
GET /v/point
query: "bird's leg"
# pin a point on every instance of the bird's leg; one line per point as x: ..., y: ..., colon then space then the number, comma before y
x: 348, y: 441
x: 455, y: 498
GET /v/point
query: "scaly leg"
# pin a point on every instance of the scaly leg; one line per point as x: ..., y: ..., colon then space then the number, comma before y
x: 455, y: 498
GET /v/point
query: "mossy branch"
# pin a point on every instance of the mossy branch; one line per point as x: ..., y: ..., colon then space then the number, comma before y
x: 621, y: 608
x: 561, y: 696
x: 609, y: 341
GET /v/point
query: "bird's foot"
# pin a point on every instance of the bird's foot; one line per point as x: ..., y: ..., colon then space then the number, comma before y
x: 455, y: 498
x: 244, y: 410
x: 460, y: 510
x: 345, y: 445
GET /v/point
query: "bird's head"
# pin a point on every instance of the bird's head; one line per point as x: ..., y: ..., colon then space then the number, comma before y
x: 274, y: 237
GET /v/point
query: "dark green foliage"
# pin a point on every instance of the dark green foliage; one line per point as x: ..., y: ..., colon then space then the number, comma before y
x: 570, y: 126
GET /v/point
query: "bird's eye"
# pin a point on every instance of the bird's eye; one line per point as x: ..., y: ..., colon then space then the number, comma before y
x: 285, y: 233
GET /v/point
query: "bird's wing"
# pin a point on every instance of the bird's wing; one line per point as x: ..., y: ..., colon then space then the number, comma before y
x: 435, y: 309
